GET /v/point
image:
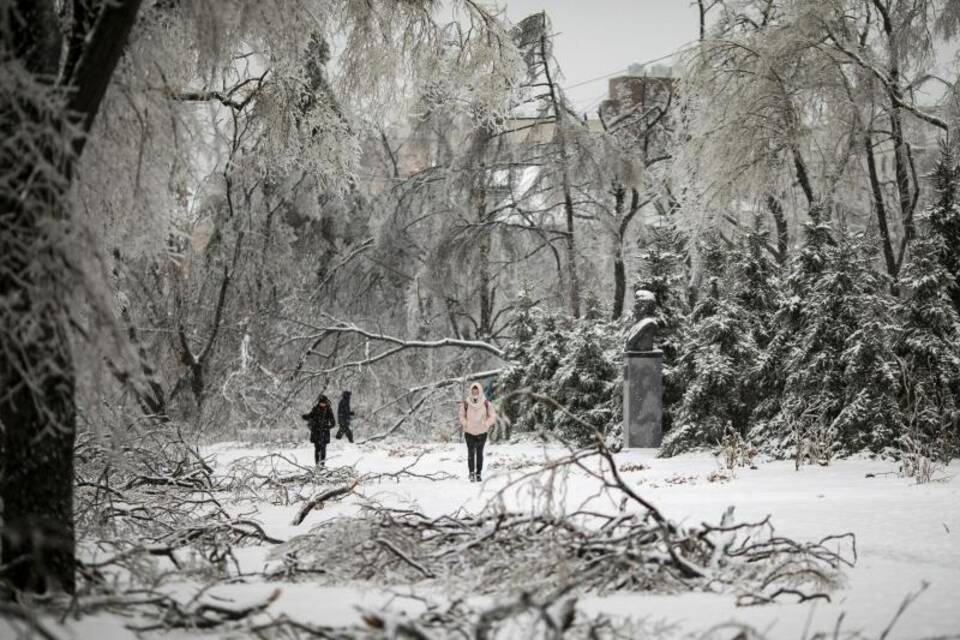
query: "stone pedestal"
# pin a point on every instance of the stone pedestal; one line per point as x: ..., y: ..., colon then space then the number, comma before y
x: 643, y: 398
x: 642, y: 387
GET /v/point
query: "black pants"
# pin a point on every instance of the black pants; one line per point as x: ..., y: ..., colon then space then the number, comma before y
x: 319, y: 452
x: 345, y: 430
x: 475, y: 451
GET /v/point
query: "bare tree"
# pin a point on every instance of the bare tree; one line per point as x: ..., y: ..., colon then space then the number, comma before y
x: 47, y: 110
x: 807, y: 105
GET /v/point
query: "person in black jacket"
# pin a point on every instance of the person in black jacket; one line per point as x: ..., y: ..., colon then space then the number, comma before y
x: 320, y: 420
x: 344, y: 417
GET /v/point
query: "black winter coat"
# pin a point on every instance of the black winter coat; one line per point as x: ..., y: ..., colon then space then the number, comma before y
x: 344, y: 414
x: 320, y: 420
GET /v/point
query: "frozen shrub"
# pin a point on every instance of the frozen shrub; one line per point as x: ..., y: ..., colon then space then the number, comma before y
x: 833, y: 346
x: 918, y: 459
x: 928, y: 343
x: 574, y: 362
x: 721, y: 347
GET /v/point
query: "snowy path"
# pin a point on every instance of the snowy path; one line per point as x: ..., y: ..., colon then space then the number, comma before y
x: 906, y: 533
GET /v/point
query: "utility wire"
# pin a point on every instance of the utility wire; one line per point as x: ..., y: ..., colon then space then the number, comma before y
x: 621, y: 70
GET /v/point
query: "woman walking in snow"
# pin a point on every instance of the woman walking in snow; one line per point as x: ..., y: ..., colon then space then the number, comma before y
x: 477, y: 415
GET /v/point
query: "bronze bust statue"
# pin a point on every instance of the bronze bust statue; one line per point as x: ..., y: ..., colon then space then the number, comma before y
x: 641, y: 335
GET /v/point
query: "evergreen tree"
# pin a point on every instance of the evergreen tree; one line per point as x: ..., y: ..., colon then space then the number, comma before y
x: 573, y: 362
x: 757, y: 288
x: 803, y: 273
x: 661, y: 271
x: 928, y: 344
x: 833, y: 344
x: 535, y: 354
x: 717, y: 356
x: 755, y: 285
x: 523, y: 326
x: 587, y: 384
x: 944, y: 218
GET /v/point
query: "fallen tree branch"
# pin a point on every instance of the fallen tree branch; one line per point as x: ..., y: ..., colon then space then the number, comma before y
x: 29, y: 618
x: 407, y: 559
x: 319, y: 500
x: 399, y: 422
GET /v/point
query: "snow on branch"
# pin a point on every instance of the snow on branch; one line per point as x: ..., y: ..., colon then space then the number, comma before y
x: 400, y: 344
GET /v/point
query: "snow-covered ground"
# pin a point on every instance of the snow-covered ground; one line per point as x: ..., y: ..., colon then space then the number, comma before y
x: 907, y: 535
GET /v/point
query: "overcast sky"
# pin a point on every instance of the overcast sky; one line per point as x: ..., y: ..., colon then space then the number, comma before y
x: 601, y: 37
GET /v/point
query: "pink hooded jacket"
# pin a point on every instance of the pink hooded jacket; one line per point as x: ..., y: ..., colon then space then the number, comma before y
x: 477, y: 415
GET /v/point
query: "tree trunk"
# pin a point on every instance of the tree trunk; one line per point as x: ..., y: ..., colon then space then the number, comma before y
x: 485, y: 330
x: 623, y: 219
x: 37, y: 405
x: 39, y: 423
x: 879, y: 208
x: 780, y: 222
x: 619, y: 269
x: 902, y: 165
x: 803, y: 178
x: 902, y: 160
x: 619, y: 282
x: 479, y: 202
x: 573, y: 280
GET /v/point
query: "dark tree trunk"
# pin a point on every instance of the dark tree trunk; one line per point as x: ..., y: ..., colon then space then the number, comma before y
x: 879, y: 208
x: 37, y: 406
x: 573, y: 279
x: 902, y: 157
x: 619, y: 284
x: 485, y: 330
x: 37, y: 481
x: 780, y: 222
x: 803, y: 178
x: 37, y: 415
x: 619, y: 269
x: 623, y: 219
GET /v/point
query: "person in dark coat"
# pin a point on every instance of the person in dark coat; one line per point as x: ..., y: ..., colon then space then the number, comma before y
x: 344, y: 417
x: 320, y: 420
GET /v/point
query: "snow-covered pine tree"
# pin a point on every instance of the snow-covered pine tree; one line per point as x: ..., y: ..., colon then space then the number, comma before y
x: 587, y: 383
x: 757, y: 288
x: 755, y: 285
x: 661, y: 272
x: 944, y: 217
x: 834, y: 343
x: 573, y: 362
x: 535, y: 354
x: 717, y: 357
x: 803, y: 272
x: 928, y: 343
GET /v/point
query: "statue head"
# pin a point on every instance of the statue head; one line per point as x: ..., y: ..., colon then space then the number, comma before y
x: 645, y: 304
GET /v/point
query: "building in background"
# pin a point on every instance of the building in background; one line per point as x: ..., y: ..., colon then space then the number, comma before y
x: 639, y: 110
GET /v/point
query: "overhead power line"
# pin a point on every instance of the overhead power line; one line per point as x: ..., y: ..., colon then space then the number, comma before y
x: 621, y: 70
